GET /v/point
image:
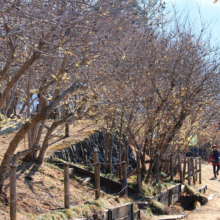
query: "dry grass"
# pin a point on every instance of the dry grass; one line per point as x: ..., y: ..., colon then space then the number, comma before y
x: 40, y: 190
x: 87, y: 209
x: 40, y: 194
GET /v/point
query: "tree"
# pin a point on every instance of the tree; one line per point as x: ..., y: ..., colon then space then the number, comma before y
x: 44, y: 37
x: 143, y: 78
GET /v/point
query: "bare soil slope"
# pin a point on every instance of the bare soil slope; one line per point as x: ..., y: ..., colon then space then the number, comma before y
x: 78, y: 131
x: 40, y: 190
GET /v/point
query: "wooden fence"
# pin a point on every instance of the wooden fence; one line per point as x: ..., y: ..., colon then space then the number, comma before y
x: 190, y: 166
x: 193, y: 165
x: 97, y: 177
x: 199, y: 152
x: 187, y: 168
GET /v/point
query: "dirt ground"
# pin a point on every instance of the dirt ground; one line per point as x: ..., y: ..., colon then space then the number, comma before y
x: 210, y: 211
x: 78, y: 131
x: 43, y: 192
x: 40, y: 190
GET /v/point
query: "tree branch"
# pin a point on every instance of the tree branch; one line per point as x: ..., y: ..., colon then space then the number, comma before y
x: 20, y: 154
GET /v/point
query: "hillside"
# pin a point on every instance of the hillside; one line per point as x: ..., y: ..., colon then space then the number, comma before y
x: 41, y: 191
x: 78, y: 131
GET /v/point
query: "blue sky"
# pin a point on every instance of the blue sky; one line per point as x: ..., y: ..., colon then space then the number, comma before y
x: 210, y: 12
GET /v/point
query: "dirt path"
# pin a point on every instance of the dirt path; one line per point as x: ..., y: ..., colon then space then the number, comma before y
x: 210, y: 211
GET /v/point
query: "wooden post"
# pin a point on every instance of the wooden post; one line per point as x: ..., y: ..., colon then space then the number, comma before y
x: 110, y: 215
x: 171, y: 167
x: 200, y: 170
x: 193, y: 170
x: 157, y: 168
x: 196, y: 169
x: 180, y: 168
x: 28, y: 110
x: 150, y: 167
x: 95, y: 156
x: 124, y: 181
x: 189, y: 172
x: 66, y: 186
x: 138, y: 157
x: 13, y: 192
x: 97, y: 179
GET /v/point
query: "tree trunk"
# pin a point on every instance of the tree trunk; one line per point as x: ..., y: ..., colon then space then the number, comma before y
x: 22, y: 108
x: 29, y: 157
x: 15, y: 105
x: 127, y: 149
x: 143, y: 165
x: 25, y: 128
x: 17, y: 74
x: 108, y: 154
x: 42, y: 105
x: 20, y: 154
x: 67, y: 128
x: 44, y: 147
x: 8, y: 105
x: 119, y: 146
x: 176, y: 127
x: 40, y: 132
